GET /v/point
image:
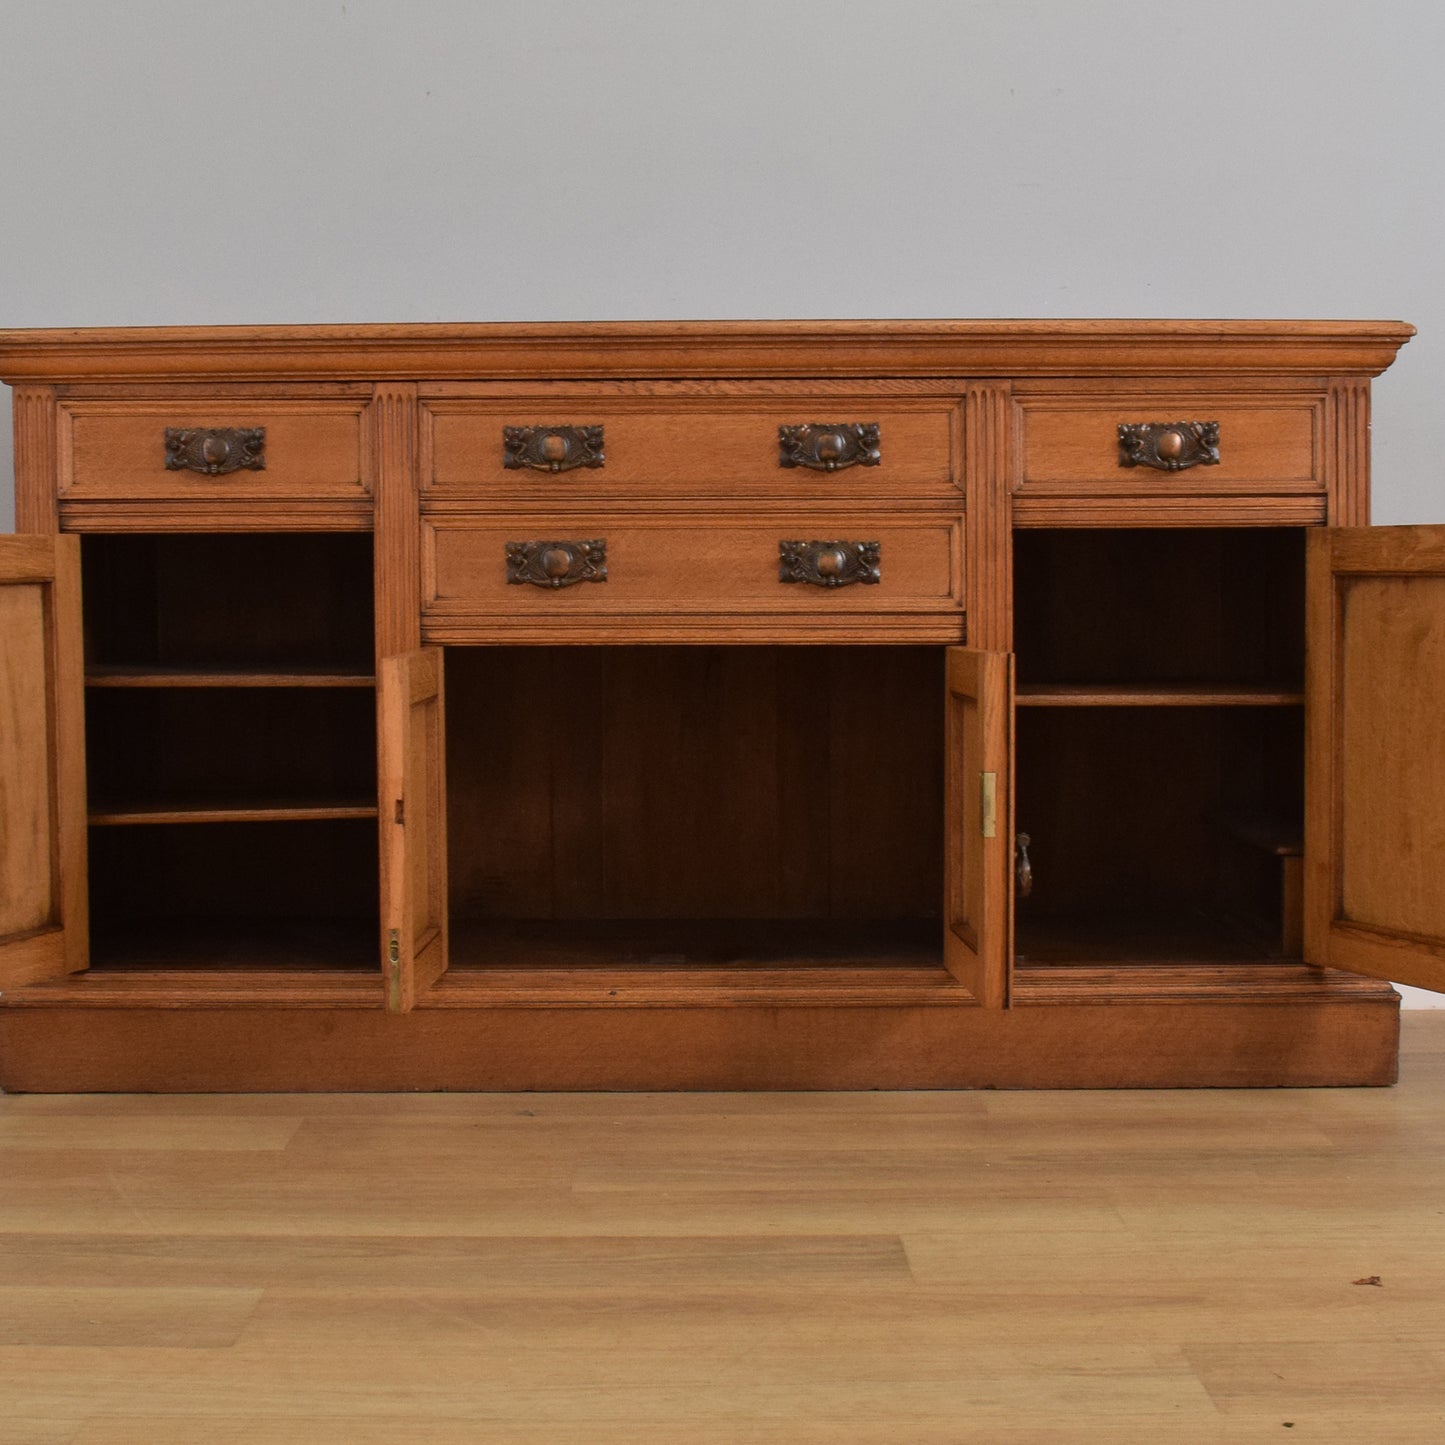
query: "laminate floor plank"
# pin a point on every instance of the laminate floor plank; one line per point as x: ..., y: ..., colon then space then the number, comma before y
x: 1338, y: 1429
x: 727, y: 1269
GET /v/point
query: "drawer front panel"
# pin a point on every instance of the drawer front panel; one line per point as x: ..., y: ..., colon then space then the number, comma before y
x: 162, y: 449
x: 1072, y: 444
x: 691, y: 447
x: 596, y: 572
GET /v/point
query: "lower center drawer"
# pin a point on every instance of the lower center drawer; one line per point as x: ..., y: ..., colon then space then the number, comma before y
x: 802, y: 578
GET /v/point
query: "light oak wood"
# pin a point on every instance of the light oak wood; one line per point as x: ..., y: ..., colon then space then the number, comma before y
x: 1375, y: 825
x: 115, y: 450
x: 119, y: 676
x: 1114, y: 1031
x: 703, y: 348
x: 412, y: 768
x: 987, y: 422
x: 695, y: 793
x: 978, y: 823
x: 1347, y: 453
x: 1071, y: 443
x: 667, y: 576
x: 201, y: 811
x: 35, y: 459
x: 397, y: 559
x: 680, y: 452
x: 43, y: 900
x: 1054, y: 694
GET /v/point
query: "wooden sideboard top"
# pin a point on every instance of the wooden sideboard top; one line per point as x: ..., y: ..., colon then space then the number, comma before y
x: 564, y: 350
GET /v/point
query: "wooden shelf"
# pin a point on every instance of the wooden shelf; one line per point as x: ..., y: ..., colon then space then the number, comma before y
x: 227, y: 811
x: 1204, y: 694
x: 1282, y: 837
x: 225, y: 677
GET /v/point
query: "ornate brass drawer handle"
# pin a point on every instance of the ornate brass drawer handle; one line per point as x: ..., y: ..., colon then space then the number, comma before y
x: 215, y: 450
x: 829, y: 564
x: 552, y: 448
x: 1023, y: 865
x: 829, y: 446
x: 1169, y: 446
x: 556, y: 564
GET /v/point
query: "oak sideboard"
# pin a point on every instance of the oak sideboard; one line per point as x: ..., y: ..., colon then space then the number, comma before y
x: 712, y: 706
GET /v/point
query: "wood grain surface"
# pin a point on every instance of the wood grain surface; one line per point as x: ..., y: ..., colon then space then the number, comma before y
x: 766, y: 1269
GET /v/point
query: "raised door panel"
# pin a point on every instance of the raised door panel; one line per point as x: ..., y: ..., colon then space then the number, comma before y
x: 412, y: 765
x: 43, y: 912
x: 1375, y: 742
x: 978, y: 834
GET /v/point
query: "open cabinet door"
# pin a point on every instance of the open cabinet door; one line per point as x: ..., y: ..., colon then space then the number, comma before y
x: 413, y: 807
x: 1375, y: 753
x: 978, y: 836
x: 44, y: 923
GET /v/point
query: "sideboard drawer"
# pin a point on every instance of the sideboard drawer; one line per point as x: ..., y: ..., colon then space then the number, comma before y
x: 1156, y: 442
x: 681, y: 446
x: 190, y: 450
x: 658, y: 574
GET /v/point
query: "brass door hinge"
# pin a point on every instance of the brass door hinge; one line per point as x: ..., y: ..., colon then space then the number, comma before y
x: 989, y: 811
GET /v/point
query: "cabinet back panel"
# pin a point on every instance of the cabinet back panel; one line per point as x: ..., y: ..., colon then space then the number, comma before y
x: 220, y: 871
x: 198, y: 600
x: 147, y: 744
x: 1140, y: 605
x: 1129, y: 809
x: 676, y: 782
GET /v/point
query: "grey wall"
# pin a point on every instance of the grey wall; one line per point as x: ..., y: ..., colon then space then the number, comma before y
x: 365, y: 160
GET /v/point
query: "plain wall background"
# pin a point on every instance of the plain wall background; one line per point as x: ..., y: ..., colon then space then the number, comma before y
x: 167, y: 161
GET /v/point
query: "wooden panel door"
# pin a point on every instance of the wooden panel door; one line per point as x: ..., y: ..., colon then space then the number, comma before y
x: 1375, y: 753
x: 411, y: 748
x: 978, y: 836
x: 43, y: 905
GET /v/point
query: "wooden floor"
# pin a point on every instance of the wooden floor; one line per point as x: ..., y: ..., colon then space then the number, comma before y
x: 768, y: 1269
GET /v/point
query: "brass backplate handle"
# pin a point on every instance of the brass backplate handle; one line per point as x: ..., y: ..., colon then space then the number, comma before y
x: 552, y: 448
x: 1169, y: 446
x: 1023, y: 866
x: 556, y: 564
x: 830, y: 564
x: 826, y: 446
x: 215, y: 450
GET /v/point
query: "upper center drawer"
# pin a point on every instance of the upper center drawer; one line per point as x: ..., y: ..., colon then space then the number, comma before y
x: 675, y: 444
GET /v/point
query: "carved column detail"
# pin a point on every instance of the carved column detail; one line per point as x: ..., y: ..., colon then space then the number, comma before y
x: 1347, y: 453
x: 36, y: 481
x: 396, y: 486
x: 986, y: 446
